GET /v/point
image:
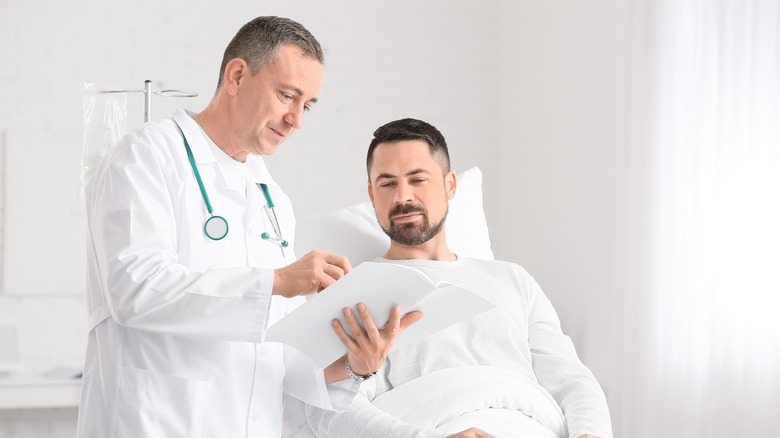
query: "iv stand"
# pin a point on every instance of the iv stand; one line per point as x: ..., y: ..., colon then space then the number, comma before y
x: 147, y: 90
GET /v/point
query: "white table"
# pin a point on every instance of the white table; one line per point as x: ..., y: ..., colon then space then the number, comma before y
x: 18, y: 392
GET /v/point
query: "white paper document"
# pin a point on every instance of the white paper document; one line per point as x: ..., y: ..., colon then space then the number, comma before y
x: 380, y: 286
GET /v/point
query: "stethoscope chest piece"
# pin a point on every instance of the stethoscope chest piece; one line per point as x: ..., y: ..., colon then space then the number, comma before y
x: 216, y: 228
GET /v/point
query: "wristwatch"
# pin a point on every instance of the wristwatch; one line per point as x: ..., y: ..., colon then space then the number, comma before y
x: 357, y: 377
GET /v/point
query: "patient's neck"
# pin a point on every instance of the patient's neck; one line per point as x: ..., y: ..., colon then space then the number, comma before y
x: 434, y: 249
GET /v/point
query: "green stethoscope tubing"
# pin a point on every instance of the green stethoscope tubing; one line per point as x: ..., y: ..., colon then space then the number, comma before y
x: 216, y: 227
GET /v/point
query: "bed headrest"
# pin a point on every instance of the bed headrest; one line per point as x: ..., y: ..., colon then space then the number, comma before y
x: 354, y: 232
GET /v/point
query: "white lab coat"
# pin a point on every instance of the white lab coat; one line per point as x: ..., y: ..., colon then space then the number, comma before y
x: 176, y: 319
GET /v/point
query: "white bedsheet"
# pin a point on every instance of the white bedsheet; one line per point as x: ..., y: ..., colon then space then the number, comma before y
x: 496, y: 400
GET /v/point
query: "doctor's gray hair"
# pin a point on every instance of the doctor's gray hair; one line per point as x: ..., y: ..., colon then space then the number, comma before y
x: 410, y: 129
x: 259, y: 42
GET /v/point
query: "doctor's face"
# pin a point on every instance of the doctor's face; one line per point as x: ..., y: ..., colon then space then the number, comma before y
x: 269, y: 105
x: 410, y: 191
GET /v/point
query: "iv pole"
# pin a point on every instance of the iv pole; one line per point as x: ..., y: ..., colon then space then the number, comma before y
x: 148, y: 92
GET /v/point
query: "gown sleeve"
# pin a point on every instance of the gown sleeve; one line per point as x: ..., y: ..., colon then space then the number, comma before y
x: 561, y: 373
x: 365, y: 420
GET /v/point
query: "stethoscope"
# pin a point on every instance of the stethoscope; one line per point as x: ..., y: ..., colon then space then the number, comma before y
x: 216, y: 227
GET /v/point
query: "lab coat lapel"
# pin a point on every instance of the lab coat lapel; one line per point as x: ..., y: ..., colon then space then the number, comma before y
x: 259, y: 171
x: 191, y: 129
x: 202, y: 153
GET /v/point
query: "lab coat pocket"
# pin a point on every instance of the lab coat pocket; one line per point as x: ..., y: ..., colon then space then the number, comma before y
x: 152, y: 404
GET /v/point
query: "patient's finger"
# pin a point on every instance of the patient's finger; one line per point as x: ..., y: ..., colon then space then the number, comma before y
x: 390, y: 329
x: 410, y: 318
x: 342, y: 334
x: 354, y: 326
x: 368, y: 321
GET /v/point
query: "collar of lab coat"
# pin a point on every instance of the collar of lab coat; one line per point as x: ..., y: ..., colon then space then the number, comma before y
x: 203, y: 154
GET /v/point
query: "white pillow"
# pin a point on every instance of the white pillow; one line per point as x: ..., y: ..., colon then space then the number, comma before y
x: 354, y: 231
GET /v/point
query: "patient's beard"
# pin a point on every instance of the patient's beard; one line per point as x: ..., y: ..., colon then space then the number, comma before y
x: 414, y: 233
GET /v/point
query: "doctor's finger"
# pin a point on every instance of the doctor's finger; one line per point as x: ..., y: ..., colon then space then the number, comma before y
x: 323, y: 280
x: 329, y: 258
x: 333, y: 271
x: 339, y: 260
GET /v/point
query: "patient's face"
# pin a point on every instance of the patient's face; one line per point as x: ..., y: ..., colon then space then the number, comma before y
x: 409, y: 191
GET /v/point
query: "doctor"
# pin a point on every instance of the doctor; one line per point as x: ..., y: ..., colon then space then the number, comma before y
x: 191, y: 259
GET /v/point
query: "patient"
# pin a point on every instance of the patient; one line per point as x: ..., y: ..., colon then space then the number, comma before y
x: 509, y: 371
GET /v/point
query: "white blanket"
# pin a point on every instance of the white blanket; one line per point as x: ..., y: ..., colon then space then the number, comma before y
x: 497, y: 400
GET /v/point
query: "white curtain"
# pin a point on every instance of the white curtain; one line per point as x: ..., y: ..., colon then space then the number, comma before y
x: 703, y: 345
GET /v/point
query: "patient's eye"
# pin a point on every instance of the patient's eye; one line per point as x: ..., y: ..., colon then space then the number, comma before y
x: 387, y: 184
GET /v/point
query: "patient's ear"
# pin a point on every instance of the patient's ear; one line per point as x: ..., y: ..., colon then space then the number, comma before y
x: 451, y: 184
x: 371, y: 192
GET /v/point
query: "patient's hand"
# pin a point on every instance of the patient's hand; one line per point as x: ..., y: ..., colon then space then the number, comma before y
x: 367, y: 347
x: 472, y: 433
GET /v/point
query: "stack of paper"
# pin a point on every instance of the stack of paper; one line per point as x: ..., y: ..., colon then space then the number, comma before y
x: 380, y: 286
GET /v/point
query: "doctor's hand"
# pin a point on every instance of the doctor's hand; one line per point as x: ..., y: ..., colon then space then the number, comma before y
x: 311, y: 273
x: 367, y: 347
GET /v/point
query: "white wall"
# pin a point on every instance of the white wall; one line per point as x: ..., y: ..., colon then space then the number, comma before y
x: 561, y: 209
x: 532, y: 92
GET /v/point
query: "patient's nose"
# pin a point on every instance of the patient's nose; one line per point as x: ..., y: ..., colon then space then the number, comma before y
x: 403, y: 194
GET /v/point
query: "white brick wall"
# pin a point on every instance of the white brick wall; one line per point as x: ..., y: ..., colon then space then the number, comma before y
x: 503, y: 80
x: 383, y: 61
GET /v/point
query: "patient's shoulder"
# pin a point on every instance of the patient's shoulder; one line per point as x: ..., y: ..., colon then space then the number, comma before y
x: 502, y: 267
x: 498, y: 264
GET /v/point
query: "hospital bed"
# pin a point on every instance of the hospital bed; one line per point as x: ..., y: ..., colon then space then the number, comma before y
x: 492, y: 397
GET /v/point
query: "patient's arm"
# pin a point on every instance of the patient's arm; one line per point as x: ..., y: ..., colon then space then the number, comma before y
x: 365, y: 420
x: 560, y: 371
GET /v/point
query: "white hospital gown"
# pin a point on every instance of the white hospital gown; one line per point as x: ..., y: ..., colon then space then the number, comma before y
x: 522, y: 334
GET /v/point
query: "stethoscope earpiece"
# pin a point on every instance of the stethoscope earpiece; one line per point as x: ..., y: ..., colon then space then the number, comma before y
x: 266, y: 236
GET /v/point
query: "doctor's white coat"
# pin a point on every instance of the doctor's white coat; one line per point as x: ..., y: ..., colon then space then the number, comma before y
x: 176, y: 319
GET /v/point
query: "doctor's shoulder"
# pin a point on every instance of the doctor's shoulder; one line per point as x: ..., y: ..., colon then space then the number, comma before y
x: 159, y: 140
x: 156, y: 145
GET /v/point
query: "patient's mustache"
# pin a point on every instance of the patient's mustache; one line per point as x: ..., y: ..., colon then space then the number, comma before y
x: 406, y: 209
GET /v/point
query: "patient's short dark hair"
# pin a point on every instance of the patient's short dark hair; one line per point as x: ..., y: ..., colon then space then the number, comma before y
x: 411, y: 129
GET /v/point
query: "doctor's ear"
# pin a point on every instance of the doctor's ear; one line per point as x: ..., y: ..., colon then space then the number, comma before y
x: 235, y: 71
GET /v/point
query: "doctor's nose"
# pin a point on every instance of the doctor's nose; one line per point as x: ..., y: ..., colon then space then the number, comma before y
x: 295, y: 117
